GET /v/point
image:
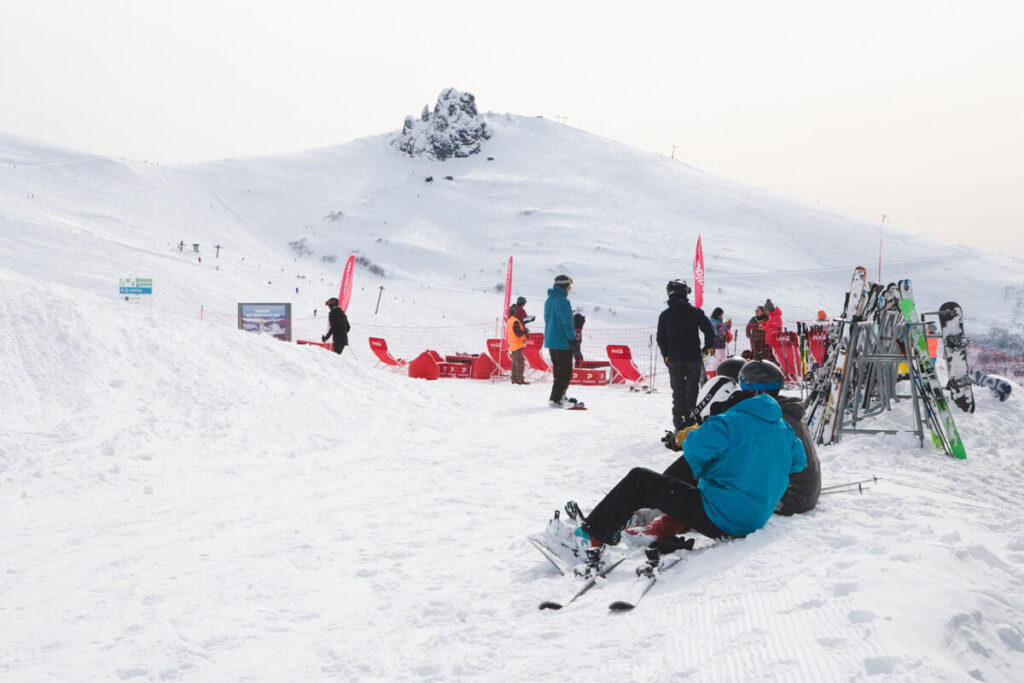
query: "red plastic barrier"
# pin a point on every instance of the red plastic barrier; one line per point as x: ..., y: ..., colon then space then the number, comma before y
x: 482, y: 367
x: 328, y: 346
x: 589, y: 376
x: 424, y: 366
x: 816, y: 344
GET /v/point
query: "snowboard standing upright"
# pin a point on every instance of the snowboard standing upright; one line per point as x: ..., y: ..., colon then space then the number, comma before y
x: 940, y: 419
x: 954, y: 348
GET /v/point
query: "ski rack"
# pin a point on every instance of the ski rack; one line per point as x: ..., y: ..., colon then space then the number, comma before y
x: 875, y: 350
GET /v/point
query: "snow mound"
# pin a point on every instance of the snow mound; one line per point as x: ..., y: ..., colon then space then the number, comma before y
x: 454, y: 129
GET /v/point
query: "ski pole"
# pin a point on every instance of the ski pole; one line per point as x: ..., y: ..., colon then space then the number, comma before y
x: 872, y: 480
x: 860, y: 488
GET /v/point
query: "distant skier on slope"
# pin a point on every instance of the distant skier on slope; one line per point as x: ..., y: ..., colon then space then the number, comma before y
x: 734, y: 471
x: 339, y: 326
x: 678, y: 338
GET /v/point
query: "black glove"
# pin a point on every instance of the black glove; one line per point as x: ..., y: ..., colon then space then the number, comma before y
x: 323, y: 338
x: 574, y: 346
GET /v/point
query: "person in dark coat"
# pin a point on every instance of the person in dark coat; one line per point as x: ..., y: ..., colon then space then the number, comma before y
x: 578, y: 320
x: 339, y: 326
x: 755, y: 333
x: 805, y: 486
x: 679, y: 326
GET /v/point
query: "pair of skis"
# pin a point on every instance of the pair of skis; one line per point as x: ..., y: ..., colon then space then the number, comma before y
x: 659, y: 559
x: 823, y: 401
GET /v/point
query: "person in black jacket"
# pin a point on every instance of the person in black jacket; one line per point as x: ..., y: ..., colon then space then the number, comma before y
x: 578, y: 320
x: 679, y: 343
x: 339, y: 326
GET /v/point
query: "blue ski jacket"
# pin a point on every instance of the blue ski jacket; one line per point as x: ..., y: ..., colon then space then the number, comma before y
x: 559, y: 331
x: 742, y: 459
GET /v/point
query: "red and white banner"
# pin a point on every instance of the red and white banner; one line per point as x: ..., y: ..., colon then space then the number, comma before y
x: 698, y: 276
x: 345, y: 293
x: 508, y: 299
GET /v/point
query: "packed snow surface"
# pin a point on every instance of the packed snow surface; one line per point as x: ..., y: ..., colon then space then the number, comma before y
x: 185, y: 501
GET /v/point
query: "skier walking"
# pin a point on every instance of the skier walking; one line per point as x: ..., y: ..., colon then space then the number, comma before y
x: 679, y: 343
x: 560, y: 340
x: 734, y: 471
x: 339, y: 326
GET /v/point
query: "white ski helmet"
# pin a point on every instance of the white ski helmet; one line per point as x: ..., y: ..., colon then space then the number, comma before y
x: 716, y: 390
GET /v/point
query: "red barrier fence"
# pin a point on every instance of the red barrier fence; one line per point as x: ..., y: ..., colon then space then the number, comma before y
x: 995, y: 363
x: 471, y: 340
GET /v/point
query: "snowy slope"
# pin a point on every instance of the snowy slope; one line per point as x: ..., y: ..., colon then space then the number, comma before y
x: 183, y: 501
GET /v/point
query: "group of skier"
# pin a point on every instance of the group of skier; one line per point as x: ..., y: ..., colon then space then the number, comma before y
x: 745, y: 453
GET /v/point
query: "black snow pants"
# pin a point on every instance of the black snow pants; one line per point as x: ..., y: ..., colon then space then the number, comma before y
x: 561, y: 372
x: 685, y: 378
x: 643, y: 488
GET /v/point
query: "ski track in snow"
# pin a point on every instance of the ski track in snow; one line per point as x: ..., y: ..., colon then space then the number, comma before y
x: 182, y: 501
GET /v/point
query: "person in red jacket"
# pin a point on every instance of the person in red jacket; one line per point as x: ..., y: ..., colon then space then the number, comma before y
x: 772, y: 327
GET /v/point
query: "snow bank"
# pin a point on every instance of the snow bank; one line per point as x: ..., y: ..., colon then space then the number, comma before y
x: 185, y: 501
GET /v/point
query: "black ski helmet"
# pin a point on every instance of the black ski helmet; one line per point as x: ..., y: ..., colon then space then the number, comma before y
x: 332, y: 302
x: 761, y: 377
x: 730, y: 367
x: 677, y: 289
x: 521, y: 301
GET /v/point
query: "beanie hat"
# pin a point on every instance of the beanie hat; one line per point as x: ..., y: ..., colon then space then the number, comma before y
x: 768, y: 306
x: 563, y: 281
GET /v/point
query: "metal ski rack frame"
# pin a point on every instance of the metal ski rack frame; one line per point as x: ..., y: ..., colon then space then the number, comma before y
x: 871, y: 376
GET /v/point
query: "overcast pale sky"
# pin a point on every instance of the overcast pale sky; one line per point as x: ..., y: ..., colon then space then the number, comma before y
x: 909, y: 109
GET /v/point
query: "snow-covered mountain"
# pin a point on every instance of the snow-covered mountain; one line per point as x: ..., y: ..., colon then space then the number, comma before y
x: 185, y: 501
x: 620, y: 221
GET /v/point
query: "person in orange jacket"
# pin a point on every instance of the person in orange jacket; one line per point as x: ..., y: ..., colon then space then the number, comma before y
x: 517, y: 334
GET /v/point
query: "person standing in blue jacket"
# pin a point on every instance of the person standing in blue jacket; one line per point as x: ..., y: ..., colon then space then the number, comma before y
x: 739, y: 463
x: 559, y: 339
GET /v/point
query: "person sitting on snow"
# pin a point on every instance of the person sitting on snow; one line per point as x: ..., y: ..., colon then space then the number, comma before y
x: 734, y: 471
x: 753, y: 378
